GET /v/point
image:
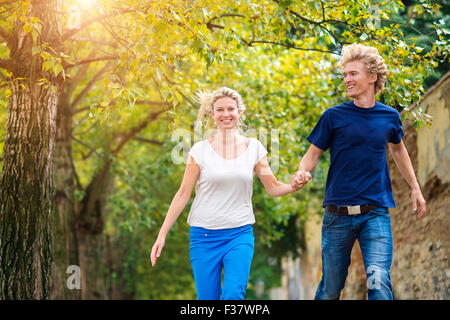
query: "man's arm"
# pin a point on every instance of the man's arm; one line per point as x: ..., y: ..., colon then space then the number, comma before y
x: 404, y: 165
x: 307, y: 165
x: 311, y: 158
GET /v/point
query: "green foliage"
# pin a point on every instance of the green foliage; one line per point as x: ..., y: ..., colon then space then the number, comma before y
x: 282, y: 56
x: 138, y: 208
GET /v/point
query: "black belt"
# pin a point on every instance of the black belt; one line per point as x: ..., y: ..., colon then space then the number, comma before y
x: 350, y: 210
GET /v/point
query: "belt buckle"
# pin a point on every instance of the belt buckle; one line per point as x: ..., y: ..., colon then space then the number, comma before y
x: 354, y: 210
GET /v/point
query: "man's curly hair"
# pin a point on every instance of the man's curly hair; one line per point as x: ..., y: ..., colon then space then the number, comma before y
x: 371, y: 58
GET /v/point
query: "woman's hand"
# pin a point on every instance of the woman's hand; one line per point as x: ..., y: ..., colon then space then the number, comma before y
x: 156, y: 249
x: 299, y: 179
x: 273, y: 187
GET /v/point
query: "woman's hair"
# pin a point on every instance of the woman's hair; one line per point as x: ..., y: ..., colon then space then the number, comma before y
x: 207, y: 99
x: 371, y: 58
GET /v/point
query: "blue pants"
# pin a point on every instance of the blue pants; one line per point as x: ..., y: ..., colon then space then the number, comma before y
x: 212, y: 250
x: 373, y: 231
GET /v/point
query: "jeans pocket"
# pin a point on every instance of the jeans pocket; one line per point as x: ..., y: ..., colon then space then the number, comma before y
x: 380, y: 210
x: 328, y: 219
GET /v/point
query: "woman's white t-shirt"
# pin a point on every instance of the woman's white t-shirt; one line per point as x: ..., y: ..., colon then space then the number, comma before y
x: 223, y: 194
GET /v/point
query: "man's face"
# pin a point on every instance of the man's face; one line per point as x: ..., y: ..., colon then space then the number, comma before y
x: 357, y: 80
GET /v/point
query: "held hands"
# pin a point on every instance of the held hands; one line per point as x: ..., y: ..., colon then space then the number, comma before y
x: 299, y: 179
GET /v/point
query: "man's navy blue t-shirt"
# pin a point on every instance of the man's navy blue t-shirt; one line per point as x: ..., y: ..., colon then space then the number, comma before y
x: 357, y: 138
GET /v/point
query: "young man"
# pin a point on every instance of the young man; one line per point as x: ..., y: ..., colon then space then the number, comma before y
x: 358, y: 189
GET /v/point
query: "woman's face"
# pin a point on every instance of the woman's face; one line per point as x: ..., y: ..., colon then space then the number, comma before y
x: 225, y: 113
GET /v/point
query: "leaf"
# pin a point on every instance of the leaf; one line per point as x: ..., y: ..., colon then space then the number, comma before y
x: 38, y: 27
x: 35, y: 50
x: 159, y: 73
x: 364, y: 36
x: 27, y: 27
x: 47, y: 65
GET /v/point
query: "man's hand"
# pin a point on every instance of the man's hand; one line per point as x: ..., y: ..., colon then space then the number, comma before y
x: 417, y: 198
x: 404, y: 165
x: 299, y: 179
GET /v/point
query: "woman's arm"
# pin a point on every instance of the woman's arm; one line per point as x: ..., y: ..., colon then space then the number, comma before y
x: 179, y: 202
x: 268, y: 179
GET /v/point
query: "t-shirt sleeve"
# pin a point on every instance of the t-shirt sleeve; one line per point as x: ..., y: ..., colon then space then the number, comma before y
x: 321, y: 134
x: 260, y: 151
x: 397, y: 130
x: 195, y: 153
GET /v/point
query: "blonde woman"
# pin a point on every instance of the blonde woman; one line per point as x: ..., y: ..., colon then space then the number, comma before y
x: 221, y: 215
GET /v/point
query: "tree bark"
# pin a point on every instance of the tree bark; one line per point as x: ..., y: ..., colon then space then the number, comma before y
x: 26, y: 193
x: 27, y: 186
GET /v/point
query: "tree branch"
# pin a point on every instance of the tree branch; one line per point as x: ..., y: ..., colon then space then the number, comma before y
x: 148, y: 102
x: 80, y: 110
x: 77, y: 179
x: 6, y: 64
x: 151, y: 141
x: 187, y: 99
x: 94, y: 40
x: 4, y: 35
x: 323, y: 10
x: 91, y: 149
x: 154, y: 103
x: 73, y: 83
x: 211, y: 26
x: 226, y: 15
x: 72, y: 32
x: 98, y: 180
x: 133, y: 132
x: 88, y: 87
x: 317, y: 23
x: 291, y: 46
x: 68, y: 65
x: 114, y: 34
x: 252, y: 41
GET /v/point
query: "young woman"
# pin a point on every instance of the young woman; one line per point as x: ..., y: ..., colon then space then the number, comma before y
x: 221, y: 216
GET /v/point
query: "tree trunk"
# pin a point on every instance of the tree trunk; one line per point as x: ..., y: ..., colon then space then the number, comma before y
x: 65, y: 248
x: 95, y: 256
x: 26, y: 192
x: 26, y: 186
x: 92, y: 241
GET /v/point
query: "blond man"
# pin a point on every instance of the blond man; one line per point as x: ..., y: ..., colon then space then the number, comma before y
x: 358, y: 190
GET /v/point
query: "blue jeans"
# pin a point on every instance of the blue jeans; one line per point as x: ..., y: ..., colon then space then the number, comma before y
x: 213, y: 250
x: 374, y: 234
